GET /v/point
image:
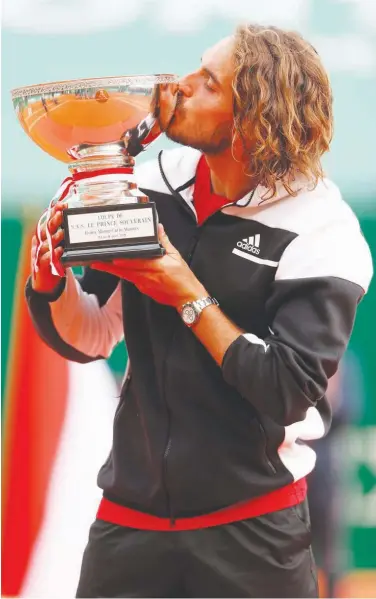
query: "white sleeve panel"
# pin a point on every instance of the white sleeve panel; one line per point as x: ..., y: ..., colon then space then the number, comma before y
x: 336, y: 250
x: 83, y: 323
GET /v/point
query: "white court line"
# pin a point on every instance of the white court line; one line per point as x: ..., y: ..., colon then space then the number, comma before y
x: 46, y: 113
x: 34, y: 113
x: 42, y: 110
x: 134, y: 103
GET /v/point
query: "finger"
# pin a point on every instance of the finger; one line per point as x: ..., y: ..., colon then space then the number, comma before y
x: 56, y: 239
x: 53, y: 225
x: 125, y: 272
x: 44, y: 248
x: 45, y: 259
x: 113, y: 270
x: 164, y: 240
x: 135, y: 264
x: 54, y: 222
x: 58, y: 252
x: 60, y: 206
x: 107, y: 267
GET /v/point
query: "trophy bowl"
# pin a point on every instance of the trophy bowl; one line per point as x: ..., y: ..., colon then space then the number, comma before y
x: 98, y: 126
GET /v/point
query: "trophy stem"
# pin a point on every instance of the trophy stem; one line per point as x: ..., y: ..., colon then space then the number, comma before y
x: 102, y: 180
x: 98, y: 161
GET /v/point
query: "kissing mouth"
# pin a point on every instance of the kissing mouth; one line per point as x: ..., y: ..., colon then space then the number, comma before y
x: 178, y: 103
x: 166, y: 104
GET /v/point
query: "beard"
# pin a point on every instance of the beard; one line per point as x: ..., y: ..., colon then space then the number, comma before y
x: 206, y: 143
x: 178, y: 129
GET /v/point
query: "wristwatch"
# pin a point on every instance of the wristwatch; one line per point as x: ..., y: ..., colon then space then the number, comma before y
x: 191, y: 311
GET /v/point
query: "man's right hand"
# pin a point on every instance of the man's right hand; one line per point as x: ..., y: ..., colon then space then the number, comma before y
x: 44, y: 281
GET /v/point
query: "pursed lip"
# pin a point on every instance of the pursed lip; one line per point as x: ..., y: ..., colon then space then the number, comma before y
x: 175, y: 100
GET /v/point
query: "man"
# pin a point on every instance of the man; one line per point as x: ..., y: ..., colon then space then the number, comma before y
x: 232, y: 335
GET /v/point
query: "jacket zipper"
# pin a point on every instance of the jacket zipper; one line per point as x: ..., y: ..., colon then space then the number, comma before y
x: 267, y: 458
x: 165, y: 457
x: 167, y: 450
x: 169, y: 440
x: 122, y: 397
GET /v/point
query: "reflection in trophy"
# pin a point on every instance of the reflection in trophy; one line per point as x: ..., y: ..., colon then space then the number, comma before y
x: 98, y: 126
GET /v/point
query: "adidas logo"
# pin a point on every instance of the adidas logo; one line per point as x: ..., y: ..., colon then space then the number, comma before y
x: 250, y: 244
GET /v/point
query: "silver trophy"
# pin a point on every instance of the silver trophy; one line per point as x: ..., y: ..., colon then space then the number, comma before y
x: 98, y: 126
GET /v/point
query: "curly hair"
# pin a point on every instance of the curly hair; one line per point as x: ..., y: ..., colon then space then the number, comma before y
x: 282, y: 106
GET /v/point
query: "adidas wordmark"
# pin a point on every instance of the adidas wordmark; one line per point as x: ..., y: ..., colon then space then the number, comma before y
x: 250, y: 244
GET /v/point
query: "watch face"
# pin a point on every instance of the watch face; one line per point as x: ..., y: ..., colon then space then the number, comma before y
x: 189, y: 315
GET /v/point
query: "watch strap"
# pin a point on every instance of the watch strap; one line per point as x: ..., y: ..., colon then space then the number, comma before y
x: 203, y: 302
x: 196, y: 306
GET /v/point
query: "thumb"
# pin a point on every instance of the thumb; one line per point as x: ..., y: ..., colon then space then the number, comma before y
x: 164, y: 240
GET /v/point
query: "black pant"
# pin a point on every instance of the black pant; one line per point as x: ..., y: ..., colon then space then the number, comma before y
x: 268, y: 556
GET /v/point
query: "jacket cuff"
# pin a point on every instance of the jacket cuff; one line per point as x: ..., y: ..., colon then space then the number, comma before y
x: 230, y: 360
x: 48, y: 297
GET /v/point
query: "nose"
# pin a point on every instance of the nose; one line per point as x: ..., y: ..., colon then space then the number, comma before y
x: 185, y: 87
x: 181, y: 86
x: 186, y: 90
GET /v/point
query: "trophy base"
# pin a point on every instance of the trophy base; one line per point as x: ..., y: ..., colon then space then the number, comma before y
x: 105, y: 233
x: 81, y: 257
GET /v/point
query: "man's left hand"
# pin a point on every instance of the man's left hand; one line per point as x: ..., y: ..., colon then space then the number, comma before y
x: 167, y: 280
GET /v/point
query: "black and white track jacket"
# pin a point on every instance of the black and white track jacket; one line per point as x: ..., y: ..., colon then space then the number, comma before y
x: 191, y: 437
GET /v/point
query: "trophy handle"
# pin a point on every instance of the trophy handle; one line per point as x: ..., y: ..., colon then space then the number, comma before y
x: 139, y: 138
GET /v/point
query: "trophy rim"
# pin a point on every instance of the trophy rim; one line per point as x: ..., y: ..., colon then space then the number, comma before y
x: 90, y: 83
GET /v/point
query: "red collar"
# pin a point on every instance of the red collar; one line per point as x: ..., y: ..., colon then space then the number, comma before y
x: 205, y: 201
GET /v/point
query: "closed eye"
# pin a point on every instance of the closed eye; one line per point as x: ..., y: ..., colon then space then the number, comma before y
x: 212, y: 80
x: 210, y: 85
